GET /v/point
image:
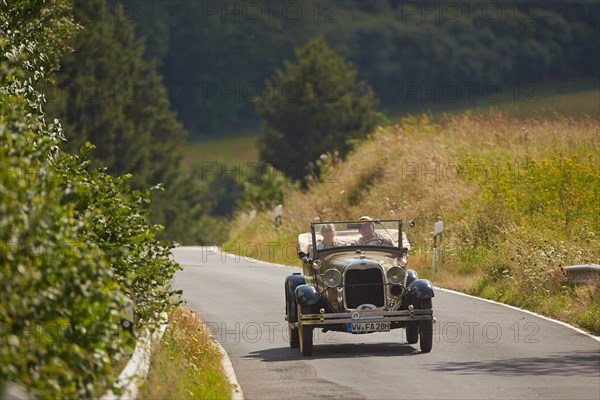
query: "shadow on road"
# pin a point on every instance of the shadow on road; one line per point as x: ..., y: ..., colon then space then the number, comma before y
x: 559, y: 364
x: 346, y: 350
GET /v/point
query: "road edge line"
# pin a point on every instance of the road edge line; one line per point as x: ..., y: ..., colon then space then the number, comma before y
x: 597, y: 338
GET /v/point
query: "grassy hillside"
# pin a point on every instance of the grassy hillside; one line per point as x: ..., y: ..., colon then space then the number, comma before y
x: 519, y: 199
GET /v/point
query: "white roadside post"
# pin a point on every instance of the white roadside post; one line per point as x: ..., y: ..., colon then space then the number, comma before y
x: 437, y: 243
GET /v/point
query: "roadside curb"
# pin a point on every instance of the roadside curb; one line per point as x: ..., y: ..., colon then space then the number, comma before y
x: 137, y: 368
x: 236, y: 389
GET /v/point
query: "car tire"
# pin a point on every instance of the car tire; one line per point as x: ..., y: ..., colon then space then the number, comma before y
x: 294, y: 337
x: 305, y: 334
x: 290, y: 305
x: 426, y: 329
x: 412, y: 334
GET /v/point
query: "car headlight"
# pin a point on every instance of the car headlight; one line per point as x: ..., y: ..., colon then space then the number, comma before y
x: 332, y: 278
x: 316, y: 265
x: 395, y: 275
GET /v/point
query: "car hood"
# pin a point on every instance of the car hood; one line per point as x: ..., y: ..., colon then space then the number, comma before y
x: 345, y: 260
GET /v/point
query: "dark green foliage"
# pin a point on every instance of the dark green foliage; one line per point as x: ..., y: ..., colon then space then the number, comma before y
x: 312, y: 107
x: 73, y: 239
x: 214, y: 62
x: 109, y: 95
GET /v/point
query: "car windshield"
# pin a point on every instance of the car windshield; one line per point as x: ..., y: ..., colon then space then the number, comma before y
x: 330, y: 235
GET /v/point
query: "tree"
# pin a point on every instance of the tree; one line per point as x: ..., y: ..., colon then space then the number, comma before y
x: 311, y: 107
x: 107, y: 94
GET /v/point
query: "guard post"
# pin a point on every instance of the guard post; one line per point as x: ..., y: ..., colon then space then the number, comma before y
x: 438, y: 228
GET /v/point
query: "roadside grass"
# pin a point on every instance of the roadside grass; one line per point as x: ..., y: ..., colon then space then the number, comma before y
x: 518, y: 199
x: 186, y: 363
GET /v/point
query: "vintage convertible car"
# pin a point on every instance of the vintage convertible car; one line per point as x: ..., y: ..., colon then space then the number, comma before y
x: 357, y: 283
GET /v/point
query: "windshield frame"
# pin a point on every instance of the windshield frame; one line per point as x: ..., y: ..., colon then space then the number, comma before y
x: 388, y: 228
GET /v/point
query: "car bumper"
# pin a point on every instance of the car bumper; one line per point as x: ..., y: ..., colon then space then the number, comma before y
x: 375, y: 317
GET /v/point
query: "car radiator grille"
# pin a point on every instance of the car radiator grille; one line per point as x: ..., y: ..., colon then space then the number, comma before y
x: 364, y: 286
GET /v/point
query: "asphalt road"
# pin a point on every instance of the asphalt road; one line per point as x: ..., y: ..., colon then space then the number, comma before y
x: 481, y: 350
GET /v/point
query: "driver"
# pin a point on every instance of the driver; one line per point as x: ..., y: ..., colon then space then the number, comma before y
x: 369, y: 236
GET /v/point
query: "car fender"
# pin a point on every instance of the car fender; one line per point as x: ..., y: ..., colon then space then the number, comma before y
x: 421, y: 289
x: 291, y: 283
x: 411, y: 276
x: 307, y: 295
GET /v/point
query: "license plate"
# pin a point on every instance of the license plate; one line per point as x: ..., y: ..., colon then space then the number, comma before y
x: 364, y: 327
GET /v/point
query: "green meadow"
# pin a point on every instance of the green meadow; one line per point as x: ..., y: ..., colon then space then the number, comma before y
x: 241, y: 149
x: 533, y: 103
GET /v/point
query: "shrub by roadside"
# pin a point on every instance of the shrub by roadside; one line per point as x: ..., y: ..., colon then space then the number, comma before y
x: 74, y: 240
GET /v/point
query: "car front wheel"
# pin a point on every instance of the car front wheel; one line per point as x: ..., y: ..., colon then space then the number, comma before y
x: 292, y: 327
x: 290, y: 306
x: 426, y: 329
x: 294, y: 337
x: 412, y: 334
x: 305, y: 333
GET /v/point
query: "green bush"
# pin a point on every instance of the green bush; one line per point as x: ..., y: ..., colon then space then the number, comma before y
x: 264, y: 190
x: 60, y: 301
x: 74, y: 241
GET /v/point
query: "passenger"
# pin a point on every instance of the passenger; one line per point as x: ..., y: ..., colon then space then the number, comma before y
x: 329, y: 239
x: 369, y: 236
